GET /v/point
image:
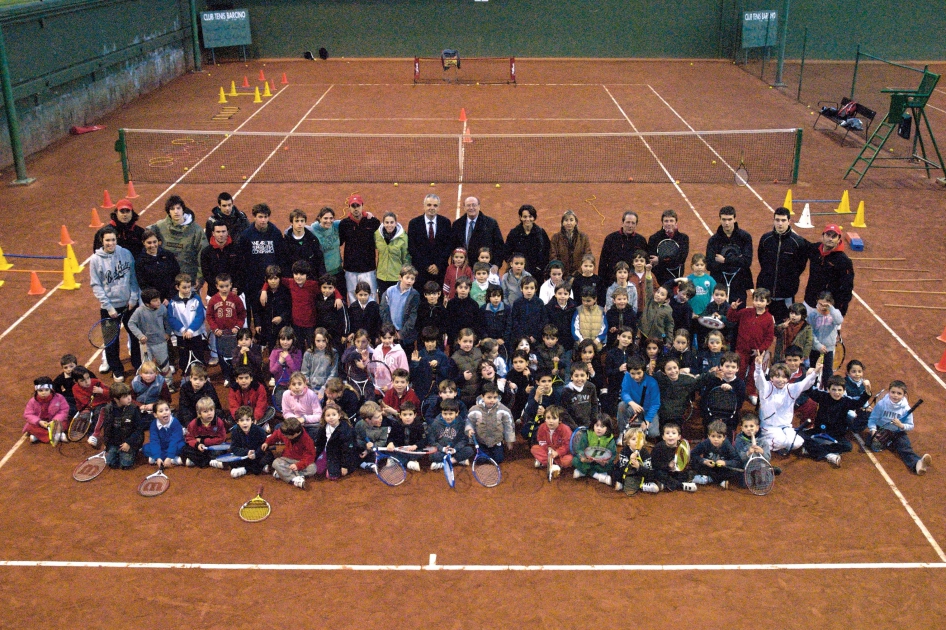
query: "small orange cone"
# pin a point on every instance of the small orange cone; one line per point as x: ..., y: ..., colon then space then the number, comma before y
x: 107, y: 203
x: 131, y: 191
x: 36, y: 287
x: 246, y: 81
x: 68, y: 277
x: 462, y: 114
x: 942, y: 335
x: 262, y: 77
x: 467, y: 138
x: 284, y: 80
x: 940, y: 365
x: 64, y: 238
x: 96, y: 221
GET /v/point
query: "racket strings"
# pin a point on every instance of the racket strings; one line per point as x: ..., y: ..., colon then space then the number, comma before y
x: 391, y: 472
x: 255, y: 510
x: 486, y: 472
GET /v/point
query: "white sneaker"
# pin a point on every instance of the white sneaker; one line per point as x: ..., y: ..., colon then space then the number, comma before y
x: 266, y: 469
x: 702, y: 480
x: 275, y: 474
x: 63, y: 437
x: 412, y: 465
x: 34, y: 439
x: 118, y: 379
x: 93, y: 441
x: 578, y: 474
x: 650, y: 487
x: 724, y: 485
x: 236, y: 473
x: 538, y: 464
x: 619, y: 486
x: 923, y: 464
x: 436, y: 466
x: 178, y: 461
x: 556, y: 470
x: 689, y: 486
x: 603, y: 478
x: 834, y: 459
x: 213, y: 361
x: 299, y: 481
x: 152, y: 461
x: 216, y: 464
x: 104, y: 368
x: 189, y: 463
x: 754, y: 400
x: 465, y: 462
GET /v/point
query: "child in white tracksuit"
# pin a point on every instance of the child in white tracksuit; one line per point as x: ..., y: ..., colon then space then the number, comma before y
x: 777, y: 404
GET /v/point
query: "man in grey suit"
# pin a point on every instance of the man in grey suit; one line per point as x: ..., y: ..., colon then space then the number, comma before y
x: 476, y: 230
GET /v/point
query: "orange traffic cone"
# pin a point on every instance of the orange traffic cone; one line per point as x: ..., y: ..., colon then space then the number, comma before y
x: 942, y: 335
x: 262, y: 77
x: 37, y: 288
x: 107, y: 203
x: 131, y: 191
x: 284, y: 80
x: 467, y: 138
x: 462, y: 114
x: 64, y: 237
x: 96, y: 221
x: 940, y: 365
x: 246, y: 81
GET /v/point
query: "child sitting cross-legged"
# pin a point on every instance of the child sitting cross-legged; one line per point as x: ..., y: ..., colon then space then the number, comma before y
x: 663, y: 459
x: 298, y: 459
x: 552, y: 441
x: 747, y: 444
x: 714, y: 457
x: 889, y: 415
x: 408, y: 433
x: 825, y: 439
x: 121, y: 426
x: 370, y: 432
x: 601, y: 434
x: 165, y: 437
x: 247, y: 441
x: 776, y: 404
x: 45, y: 407
x: 491, y: 422
x: 207, y: 429
x: 446, y: 433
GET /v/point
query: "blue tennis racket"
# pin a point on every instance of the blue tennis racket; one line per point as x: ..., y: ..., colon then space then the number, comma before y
x: 448, y: 467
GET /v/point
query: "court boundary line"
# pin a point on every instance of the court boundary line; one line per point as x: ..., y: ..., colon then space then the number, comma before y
x: 889, y: 480
x: 433, y: 566
x: 455, y: 120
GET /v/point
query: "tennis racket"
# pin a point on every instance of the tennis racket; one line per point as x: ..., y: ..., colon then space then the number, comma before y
x: 667, y: 252
x: 636, y: 443
x: 574, y: 443
x: 91, y: 468
x: 448, y: 467
x: 551, y: 464
x: 219, y: 448
x: 226, y: 346
x: 599, y: 454
x: 415, y: 452
x: 105, y: 332
x: 256, y: 509
x: 154, y: 484
x: 823, y: 438
x: 887, y: 436
x: 485, y: 469
x: 730, y: 252
x: 759, y: 476
x: 741, y: 175
x: 55, y: 430
x: 720, y: 404
x: 79, y: 426
x: 682, y: 458
x: 230, y: 458
x: 267, y: 417
x: 389, y: 470
x: 713, y: 323
x: 839, y: 351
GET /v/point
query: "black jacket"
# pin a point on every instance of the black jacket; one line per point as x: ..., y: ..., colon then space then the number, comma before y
x: 236, y: 223
x: 423, y: 254
x: 157, y: 272
x: 485, y: 234
x: 358, y: 241
x: 832, y: 272
x: 308, y: 249
x: 367, y: 318
x: 129, y: 234
x: 735, y: 263
x: 782, y: 259
x: 618, y: 246
x: 665, y: 270
x: 339, y: 449
x: 215, y: 260
x: 534, y: 246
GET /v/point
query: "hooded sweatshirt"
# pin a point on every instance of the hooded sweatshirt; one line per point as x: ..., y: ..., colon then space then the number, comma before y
x: 392, y: 253
x: 113, y: 279
x: 184, y: 241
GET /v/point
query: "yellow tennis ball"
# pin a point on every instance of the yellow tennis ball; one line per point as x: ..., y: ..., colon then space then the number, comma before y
x: 395, y: 183
x: 497, y: 185
x: 714, y: 161
x: 432, y: 184
x: 891, y: 150
x: 222, y: 166
x: 244, y: 177
x: 676, y: 181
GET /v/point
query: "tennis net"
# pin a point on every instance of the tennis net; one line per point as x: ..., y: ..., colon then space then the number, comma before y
x: 466, y: 70
x: 706, y: 157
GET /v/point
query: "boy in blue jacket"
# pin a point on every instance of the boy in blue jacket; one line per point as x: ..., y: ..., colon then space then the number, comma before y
x: 186, y: 314
x: 165, y: 437
x: 528, y: 316
x: 447, y: 434
x: 640, y: 396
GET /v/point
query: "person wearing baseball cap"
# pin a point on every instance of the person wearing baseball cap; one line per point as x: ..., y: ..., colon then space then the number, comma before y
x: 356, y: 235
x: 831, y: 269
x: 125, y: 221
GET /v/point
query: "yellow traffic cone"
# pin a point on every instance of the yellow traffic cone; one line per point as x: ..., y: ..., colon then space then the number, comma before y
x: 266, y: 91
x: 256, y: 96
x: 845, y: 207
x: 788, y: 201
x: 68, y: 277
x: 859, y: 217
x: 4, y: 265
x: 73, y: 261
x: 223, y: 97
x: 233, y: 91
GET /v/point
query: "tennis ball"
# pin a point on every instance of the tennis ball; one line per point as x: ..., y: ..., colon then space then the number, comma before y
x: 714, y: 161
x: 432, y: 184
x: 244, y: 177
x: 497, y: 185
x: 891, y: 150
x: 395, y: 184
x: 676, y: 181
x: 222, y: 166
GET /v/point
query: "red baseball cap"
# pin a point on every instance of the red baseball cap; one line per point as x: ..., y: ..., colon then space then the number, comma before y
x: 832, y: 227
x: 353, y: 199
x: 123, y: 204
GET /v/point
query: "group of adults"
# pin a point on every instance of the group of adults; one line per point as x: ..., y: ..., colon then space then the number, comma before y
x: 348, y: 248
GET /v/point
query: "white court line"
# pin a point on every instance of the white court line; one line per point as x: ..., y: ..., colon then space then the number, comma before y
x: 936, y: 108
x: 893, y: 486
x: 281, y: 142
x: 460, y: 182
x: 659, y: 163
x: 433, y: 566
x: 13, y: 449
x: 675, y: 113
x: 478, y: 118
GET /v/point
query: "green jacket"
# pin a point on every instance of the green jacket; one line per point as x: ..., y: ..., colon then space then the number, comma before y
x: 391, y: 255
x: 184, y: 242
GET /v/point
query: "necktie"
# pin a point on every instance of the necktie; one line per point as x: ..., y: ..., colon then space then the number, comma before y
x: 469, y: 232
x: 430, y: 231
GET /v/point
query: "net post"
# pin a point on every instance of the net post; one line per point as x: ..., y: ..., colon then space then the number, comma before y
x: 416, y: 69
x: 857, y: 60
x: 121, y: 148
x: 512, y: 70
x: 798, y: 135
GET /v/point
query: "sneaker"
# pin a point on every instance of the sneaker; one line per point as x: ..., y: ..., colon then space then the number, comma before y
x: 63, y: 437
x: 93, y: 441
x: 619, y: 486
x: 104, y: 367
x: 578, y: 474
x: 178, y: 461
x: 538, y: 464
x: 34, y: 439
x: 413, y: 465
x: 689, y: 486
x: 834, y: 459
x: 120, y: 378
x: 226, y: 383
x: 366, y: 465
x: 266, y: 469
x: 556, y: 470
x: 876, y: 446
x: 923, y: 464
x: 152, y: 461
x: 213, y: 361
x: 236, y: 473
x: 299, y: 481
x: 436, y: 466
x: 754, y: 400
x: 702, y: 480
x: 646, y: 465
x: 189, y: 463
x: 804, y: 452
x: 724, y: 485
x: 373, y: 468
x: 465, y: 462
x: 650, y: 487
x: 272, y: 382
x: 603, y: 478
x: 216, y: 464
x: 275, y: 474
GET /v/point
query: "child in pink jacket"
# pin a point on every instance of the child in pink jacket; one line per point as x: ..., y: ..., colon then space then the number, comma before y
x: 44, y: 407
x: 301, y: 402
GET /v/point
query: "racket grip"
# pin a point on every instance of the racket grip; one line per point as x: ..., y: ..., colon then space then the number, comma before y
x: 174, y: 340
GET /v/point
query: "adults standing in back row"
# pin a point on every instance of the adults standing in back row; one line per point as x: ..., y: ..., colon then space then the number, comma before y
x: 260, y: 246
x: 531, y: 241
x: 667, y: 269
x: 429, y: 242
x: 476, y: 230
x: 729, y: 256
x: 180, y: 235
x: 782, y: 259
x: 620, y: 246
x: 356, y: 235
x: 831, y: 270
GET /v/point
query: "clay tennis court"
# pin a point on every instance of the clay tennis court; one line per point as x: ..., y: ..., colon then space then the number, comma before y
x: 853, y: 547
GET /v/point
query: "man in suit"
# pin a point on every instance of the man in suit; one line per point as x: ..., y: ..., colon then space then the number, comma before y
x: 429, y: 242
x: 476, y: 230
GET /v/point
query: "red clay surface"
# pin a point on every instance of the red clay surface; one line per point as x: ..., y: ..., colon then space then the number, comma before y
x: 815, y: 515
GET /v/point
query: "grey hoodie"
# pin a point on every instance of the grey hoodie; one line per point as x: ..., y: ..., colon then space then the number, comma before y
x: 113, y: 278
x: 151, y: 323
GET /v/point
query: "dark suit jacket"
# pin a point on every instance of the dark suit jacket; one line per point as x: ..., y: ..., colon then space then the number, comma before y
x: 422, y: 254
x: 485, y: 234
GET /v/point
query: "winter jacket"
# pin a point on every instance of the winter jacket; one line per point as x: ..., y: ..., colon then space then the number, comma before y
x: 329, y: 241
x: 236, y: 223
x: 618, y: 247
x: 367, y: 318
x: 157, y: 272
x: 569, y: 252
x: 782, y: 260
x: 257, y: 250
x: 535, y: 246
x: 187, y: 314
x: 129, y: 234
x: 392, y: 254
x: 153, y: 324
x: 740, y: 241
x: 527, y: 319
x: 493, y: 425
x: 306, y: 407
x: 832, y: 271
x: 358, y: 239
x: 112, y: 277
x: 216, y: 259
x: 184, y: 241
x: 307, y: 248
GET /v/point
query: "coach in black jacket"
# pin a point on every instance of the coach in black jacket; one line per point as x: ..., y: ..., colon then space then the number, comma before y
x: 485, y: 233
x: 729, y: 251
x: 782, y: 258
x: 430, y: 257
x: 831, y: 270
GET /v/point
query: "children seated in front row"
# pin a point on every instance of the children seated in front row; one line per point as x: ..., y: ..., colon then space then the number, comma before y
x: 335, y: 444
x: 246, y: 440
x: 247, y: 391
x: 601, y: 434
x: 165, y: 437
x: 831, y: 421
x: 552, y: 441
x: 43, y: 408
x: 714, y: 458
x: 580, y: 397
x: 371, y: 431
x: 492, y: 424
x: 301, y: 402
x: 63, y: 383
x: 298, y: 459
x: 121, y: 428
x: 663, y: 461
x: 446, y: 434
x: 854, y: 385
x: 207, y: 429
x: 408, y: 433
x: 888, y: 415
x: 747, y: 443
